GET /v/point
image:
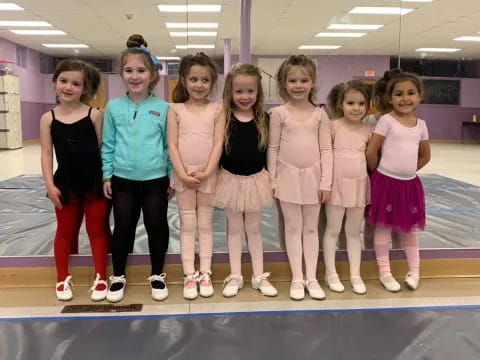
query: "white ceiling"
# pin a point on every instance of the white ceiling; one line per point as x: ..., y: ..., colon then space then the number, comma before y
x: 278, y: 26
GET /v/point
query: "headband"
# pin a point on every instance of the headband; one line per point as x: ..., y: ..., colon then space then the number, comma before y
x: 156, y: 62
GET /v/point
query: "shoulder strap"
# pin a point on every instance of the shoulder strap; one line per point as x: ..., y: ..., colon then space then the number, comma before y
x: 53, y: 114
x: 89, y: 111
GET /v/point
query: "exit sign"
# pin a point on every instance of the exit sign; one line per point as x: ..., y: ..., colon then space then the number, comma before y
x: 369, y: 73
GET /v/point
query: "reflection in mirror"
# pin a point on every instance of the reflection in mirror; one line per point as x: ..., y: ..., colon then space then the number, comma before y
x: 345, y: 43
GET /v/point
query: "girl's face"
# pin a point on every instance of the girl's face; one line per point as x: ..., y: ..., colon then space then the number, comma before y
x: 198, y: 83
x: 136, y: 75
x: 69, y: 86
x: 354, y: 106
x: 244, y: 92
x: 299, y: 83
x: 405, y: 97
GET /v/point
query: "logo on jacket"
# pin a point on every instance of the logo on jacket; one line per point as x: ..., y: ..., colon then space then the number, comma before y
x: 152, y: 112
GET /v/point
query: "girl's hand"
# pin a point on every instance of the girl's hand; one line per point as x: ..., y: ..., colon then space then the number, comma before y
x: 199, y: 175
x: 323, y: 196
x: 170, y: 193
x: 55, y: 195
x: 191, y: 182
x: 107, y: 189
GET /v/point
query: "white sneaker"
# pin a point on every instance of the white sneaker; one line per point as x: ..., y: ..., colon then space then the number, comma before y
x: 190, y: 293
x: 333, y: 283
x: 358, y: 285
x: 297, y: 294
x: 116, y: 291
x: 230, y: 289
x: 389, y: 282
x: 66, y: 293
x: 158, y: 286
x: 266, y: 289
x: 206, y: 290
x: 315, y: 293
x: 412, y: 280
x: 98, y: 295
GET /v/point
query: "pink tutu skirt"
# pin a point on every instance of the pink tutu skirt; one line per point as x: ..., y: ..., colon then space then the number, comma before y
x: 243, y: 193
x: 396, y: 204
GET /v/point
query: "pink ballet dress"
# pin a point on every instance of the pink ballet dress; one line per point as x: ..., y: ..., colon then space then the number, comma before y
x: 351, y: 184
x: 300, y: 156
x: 195, y: 142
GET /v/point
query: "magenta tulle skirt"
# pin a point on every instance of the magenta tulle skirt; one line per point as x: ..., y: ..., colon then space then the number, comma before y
x: 396, y: 204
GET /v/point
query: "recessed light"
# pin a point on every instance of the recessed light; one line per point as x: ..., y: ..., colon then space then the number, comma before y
x: 38, y: 32
x: 192, y: 25
x: 193, y: 46
x: 467, y: 38
x: 10, y: 7
x: 168, y: 57
x: 24, y: 23
x: 189, y: 8
x: 354, y: 27
x: 193, y: 33
x: 319, y: 47
x: 342, y: 34
x: 448, y: 50
x: 381, y: 10
x: 65, y: 46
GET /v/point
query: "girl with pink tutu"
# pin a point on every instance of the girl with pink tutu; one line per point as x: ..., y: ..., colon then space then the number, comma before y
x: 300, y: 163
x: 398, y: 199
x: 351, y: 185
x: 243, y: 187
x: 195, y: 139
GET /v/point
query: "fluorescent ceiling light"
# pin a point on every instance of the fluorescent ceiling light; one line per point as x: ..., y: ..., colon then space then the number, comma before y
x: 417, y: 0
x: 354, y: 27
x: 65, y: 45
x: 168, y: 57
x: 319, y: 47
x: 24, y: 23
x: 448, y: 50
x: 467, y: 38
x: 38, y: 32
x: 189, y: 8
x: 193, y: 33
x: 345, y: 34
x: 10, y: 7
x: 193, y: 46
x: 384, y: 10
x: 192, y: 25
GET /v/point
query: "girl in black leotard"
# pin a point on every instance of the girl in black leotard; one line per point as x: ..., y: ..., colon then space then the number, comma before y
x: 73, y: 129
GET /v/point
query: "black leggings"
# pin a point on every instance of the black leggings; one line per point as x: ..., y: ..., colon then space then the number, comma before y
x: 129, y: 197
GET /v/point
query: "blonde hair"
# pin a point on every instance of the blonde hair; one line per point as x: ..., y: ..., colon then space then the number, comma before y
x: 286, y: 66
x: 336, y: 96
x: 259, y: 116
x: 134, y: 44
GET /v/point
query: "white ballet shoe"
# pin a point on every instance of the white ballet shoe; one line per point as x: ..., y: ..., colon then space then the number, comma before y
x: 230, y: 288
x: 266, y: 289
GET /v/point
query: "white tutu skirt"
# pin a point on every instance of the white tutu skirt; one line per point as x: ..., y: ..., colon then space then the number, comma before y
x: 243, y: 193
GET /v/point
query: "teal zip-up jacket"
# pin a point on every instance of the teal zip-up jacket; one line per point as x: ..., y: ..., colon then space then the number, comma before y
x: 135, y: 139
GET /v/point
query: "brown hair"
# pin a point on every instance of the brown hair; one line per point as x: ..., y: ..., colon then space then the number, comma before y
x: 180, y: 94
x: 336, y: 96
x: 91, y: 76
x: 384, y: 89
x: 137, y: 45
x: 285, y: 67
x: 259, y: 116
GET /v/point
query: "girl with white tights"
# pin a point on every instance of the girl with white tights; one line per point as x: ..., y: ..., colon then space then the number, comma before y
x: 350, y: 187
x: 300, y: 166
